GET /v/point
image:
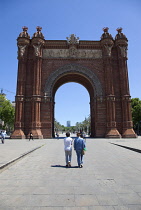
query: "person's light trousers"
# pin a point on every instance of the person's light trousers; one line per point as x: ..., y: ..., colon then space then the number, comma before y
x: 68, y: 155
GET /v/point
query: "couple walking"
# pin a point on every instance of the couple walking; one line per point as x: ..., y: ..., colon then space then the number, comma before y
x: 79, y: 146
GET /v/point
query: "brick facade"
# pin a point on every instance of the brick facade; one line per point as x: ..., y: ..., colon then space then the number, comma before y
x: 100, y: 66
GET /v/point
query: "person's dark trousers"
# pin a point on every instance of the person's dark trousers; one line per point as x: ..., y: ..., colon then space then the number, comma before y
x: 79, y: 157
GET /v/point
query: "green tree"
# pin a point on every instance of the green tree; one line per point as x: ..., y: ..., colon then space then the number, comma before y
x: 7, y: 113
x: 84, y: 125
x: 136, y: 114
x: 57, y: 126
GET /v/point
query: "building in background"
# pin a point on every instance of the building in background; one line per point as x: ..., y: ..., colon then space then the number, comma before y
x: 68, y: 123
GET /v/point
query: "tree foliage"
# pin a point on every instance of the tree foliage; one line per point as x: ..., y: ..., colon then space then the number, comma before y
x: 136, y: 113
x: 57, y: 126
x: 7, y: 113
x: 80, y: 126
x: 84, y: 125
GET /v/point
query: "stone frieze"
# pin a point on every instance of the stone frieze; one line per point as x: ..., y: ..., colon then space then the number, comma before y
x: 67, y: 53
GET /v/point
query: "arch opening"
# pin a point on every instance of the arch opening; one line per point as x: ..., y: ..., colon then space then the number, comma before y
x: 82, y: 80
x: 77, y: 74
x: 72, y: 105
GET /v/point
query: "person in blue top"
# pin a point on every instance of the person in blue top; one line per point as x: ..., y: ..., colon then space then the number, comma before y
x: 3, y: 133
x: 79, y: 146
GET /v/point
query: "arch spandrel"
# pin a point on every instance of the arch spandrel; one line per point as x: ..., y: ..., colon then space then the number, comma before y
x: 74, y: 69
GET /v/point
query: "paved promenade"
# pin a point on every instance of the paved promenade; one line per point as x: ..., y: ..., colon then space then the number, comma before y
x: 110, y: 178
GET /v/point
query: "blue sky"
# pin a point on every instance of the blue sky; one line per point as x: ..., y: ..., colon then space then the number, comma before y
x: 59, y: 19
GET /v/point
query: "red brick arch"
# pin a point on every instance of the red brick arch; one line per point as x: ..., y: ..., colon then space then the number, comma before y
x: 100, y: 66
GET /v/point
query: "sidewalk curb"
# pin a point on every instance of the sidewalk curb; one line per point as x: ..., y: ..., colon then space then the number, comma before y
x: 21, y: 156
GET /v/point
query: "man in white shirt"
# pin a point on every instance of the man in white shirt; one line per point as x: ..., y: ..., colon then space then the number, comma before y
x: 68, y: 149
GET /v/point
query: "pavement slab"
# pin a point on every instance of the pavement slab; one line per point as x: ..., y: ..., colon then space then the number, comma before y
x: 110, y: 178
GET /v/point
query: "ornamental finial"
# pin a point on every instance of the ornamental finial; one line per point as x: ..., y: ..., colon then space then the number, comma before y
x: 105, y: 29
x: 106, y: 34
x: 120, y: 35
x: 39, y: 28
x: 38, y: 33
x: 24, y: 33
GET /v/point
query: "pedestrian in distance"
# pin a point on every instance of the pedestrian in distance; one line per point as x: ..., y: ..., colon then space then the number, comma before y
x: 3, y: 136
x: 31, y: 136
x: 57, y: 134
x: 83, y: 135
x: 68, y: 149
x: 79, y: 147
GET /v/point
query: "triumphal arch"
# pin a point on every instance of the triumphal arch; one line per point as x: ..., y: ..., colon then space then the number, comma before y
x: 100, y: 66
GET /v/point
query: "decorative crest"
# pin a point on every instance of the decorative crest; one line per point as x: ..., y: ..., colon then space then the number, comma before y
x: 106, y: 34
x: 38, y: 33
x: 72, y: 39
x: 105, y: 29
x: 120, y: 35
x: 25, y: 28
x: 39, y: 28
x: 119, y: 30
x: 24, y: 33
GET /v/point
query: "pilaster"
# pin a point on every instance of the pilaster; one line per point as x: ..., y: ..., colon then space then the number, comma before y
x: 107, y: 45
x: 37, y: 43
x: 121, y: 43
x: 23, y: 42
x: 47, y: 116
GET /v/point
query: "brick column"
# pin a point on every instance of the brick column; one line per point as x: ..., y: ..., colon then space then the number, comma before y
x: 107, y: 44
x: 127, y: 125
x: 112, y: 131
x: 47, y: 116
x: 93, y: 115
x: 23, y: 41
x: 37, y: 43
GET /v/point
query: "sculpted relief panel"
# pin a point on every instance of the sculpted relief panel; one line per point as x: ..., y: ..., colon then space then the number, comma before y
x: 66, y: 53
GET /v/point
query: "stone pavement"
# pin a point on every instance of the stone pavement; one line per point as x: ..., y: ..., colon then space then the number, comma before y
x: 13, y: 149
x: 110, y: 178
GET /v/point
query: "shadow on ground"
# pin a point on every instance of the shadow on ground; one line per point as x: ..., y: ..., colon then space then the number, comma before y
x: 130, y: 148
x: 61, y: 166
